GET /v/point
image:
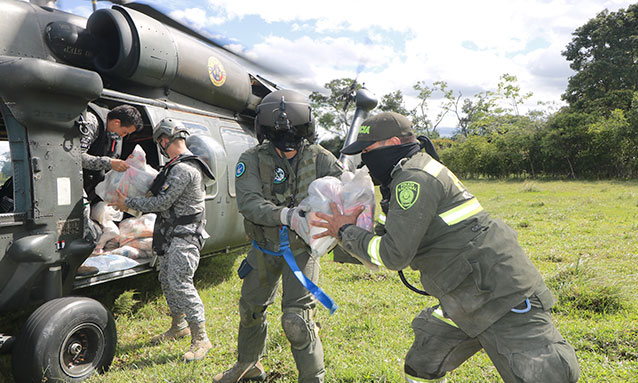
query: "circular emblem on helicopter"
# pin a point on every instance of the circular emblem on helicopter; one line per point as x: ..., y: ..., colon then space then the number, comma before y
x: 240, y: 169
x: 216, y: 71
x: 280, y: 176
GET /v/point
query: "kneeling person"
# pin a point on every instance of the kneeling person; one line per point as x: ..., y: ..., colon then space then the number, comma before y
x: 491, y: 295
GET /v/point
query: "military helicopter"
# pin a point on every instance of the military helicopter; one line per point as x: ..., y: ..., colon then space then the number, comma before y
x: 53, y: 67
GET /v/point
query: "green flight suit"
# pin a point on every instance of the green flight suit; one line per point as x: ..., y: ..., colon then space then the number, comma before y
x: 475, y: 267
x: 265, y: 184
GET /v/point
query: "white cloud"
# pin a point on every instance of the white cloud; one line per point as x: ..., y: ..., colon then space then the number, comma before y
x: 196, y: 17
x: 331, y: 39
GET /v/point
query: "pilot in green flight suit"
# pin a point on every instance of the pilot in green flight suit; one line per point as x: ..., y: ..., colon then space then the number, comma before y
x: 491, y: 295
x: 271, y: 180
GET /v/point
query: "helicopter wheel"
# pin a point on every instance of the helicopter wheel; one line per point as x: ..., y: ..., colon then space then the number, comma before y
x: 65, y: 339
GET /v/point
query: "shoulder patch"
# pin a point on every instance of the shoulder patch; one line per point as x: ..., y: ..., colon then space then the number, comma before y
x: 407, y: 193
x: 240, y: 169
x: 280, y: 176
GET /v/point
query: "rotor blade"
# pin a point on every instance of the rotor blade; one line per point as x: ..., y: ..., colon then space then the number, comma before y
x: 158, y: 15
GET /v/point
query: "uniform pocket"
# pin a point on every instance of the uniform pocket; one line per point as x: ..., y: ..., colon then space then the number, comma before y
x: 452, y: 275
x: 553, y: 363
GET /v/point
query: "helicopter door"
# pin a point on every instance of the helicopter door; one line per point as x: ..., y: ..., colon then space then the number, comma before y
x: 236, y: 141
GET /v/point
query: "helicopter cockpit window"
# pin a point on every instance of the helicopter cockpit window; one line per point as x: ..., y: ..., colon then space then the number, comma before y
x: 196, y: 129
x: 201, y: 143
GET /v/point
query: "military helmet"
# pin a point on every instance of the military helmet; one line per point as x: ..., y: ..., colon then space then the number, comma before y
x: 170, y: 128
x: 285, y: 112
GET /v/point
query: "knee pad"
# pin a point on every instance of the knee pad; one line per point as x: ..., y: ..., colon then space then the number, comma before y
x: 299, y: 328
x: 250, y: 316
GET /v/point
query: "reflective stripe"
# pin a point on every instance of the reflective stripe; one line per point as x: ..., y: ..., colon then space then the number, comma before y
x: 438, y: 314
x: 373, y: 250
x: 433, y: 168
x: 461, y: 212
x: 414, y: 379
x: 381, y: 219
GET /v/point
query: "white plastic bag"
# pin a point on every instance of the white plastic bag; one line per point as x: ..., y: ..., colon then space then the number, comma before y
x: 321, y: 192
x: 358, y: 190
x: 127, y: 251
x: 348, y: 193
x: 107, y: 263
x: 134, y: 182
x: 136, y: 228
x: 105, y: 215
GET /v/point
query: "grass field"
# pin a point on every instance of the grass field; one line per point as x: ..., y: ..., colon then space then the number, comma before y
x: 583, y: 236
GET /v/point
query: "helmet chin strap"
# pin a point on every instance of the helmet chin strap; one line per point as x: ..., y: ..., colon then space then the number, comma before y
x: 163, y: 149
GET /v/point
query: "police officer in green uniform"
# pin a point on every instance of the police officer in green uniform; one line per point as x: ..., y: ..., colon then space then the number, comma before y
x: 490, y: 294
x: 271, y: 180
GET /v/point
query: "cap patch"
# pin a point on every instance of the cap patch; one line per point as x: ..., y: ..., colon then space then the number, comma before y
x: 364, y: 129
x: 407, y: 193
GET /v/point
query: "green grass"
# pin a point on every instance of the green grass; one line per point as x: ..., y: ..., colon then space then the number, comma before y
x: 583, y: 236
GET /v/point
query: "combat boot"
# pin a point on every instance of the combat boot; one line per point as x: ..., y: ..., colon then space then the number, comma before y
x: 242, y: 372
x: 200, y: 345
x: 179, y: 329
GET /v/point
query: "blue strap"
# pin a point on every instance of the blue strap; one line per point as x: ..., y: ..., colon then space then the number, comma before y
x: 284, y: 250
x: 526, y: 309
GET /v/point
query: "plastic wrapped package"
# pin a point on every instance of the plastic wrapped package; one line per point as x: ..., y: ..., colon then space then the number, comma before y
x: 321, y: 192
x: 127, y: 251
x: 107, y: 263
x: 105, y: 215
x: 348, y: 193
x: 358, y: 190
x: 136, y: 227
x: 144, y: 246
x: 134, y: 182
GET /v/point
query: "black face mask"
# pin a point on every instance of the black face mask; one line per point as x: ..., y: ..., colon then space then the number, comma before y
x: 285, y: 141
x: 380, y: 162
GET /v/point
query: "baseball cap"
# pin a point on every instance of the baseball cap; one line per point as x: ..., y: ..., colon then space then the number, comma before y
x: 379, y: 128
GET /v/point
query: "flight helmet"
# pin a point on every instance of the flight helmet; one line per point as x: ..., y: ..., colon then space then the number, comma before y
x: 285, y: 118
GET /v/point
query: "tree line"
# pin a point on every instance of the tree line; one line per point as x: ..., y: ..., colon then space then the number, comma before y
x: 594, y: 136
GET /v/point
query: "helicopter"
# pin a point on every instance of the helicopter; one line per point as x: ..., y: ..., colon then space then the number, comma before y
x: 54, y: 66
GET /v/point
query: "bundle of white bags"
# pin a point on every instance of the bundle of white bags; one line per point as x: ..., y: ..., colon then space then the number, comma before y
x: 134, y: 182
x: 348, y: 192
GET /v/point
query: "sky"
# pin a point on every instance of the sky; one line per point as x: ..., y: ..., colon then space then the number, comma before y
x: 392, y: 45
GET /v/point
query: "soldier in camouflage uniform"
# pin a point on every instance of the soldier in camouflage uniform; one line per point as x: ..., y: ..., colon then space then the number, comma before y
x: 177, y: 196
x: 490, y: 294
x: 271, y: 179
x: 101, y: 146
x: 100, y: 149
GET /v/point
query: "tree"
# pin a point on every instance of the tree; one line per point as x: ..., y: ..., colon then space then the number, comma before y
x: 510, y: 91
x: 473, y: 113
x: 420, y: 117
x: 393, y: 102
x: 604, y: 53
x: 329, y: 109
x: 333, y: 145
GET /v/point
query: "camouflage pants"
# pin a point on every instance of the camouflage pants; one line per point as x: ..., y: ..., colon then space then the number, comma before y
x: 524, y: 347
x: 177, y: 268
x: 298, y: 306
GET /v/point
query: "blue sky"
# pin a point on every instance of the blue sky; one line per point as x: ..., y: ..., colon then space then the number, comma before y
x: 393, y: 44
